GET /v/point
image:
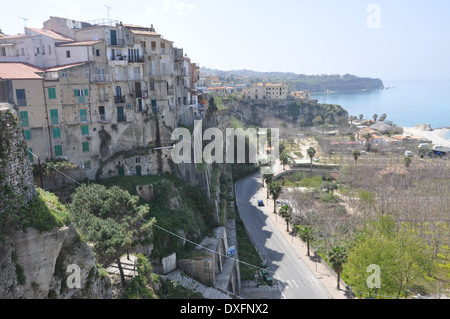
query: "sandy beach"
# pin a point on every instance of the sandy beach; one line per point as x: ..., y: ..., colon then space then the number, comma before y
x: 436, y: 136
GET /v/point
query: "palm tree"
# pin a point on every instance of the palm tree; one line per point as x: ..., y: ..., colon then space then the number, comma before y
x: 306, y: 234
x: 375, y: 116
x: 286, y: 213
x: 284, y: 160
x: 356, y: 154
x: 311, y: 152
x: 367, y: 136
x: 268, y: 178
x: 275, y: 190
x: 408, y: 161
x: 361, y: 116
x: 338, y: 257
x: 383, y: 117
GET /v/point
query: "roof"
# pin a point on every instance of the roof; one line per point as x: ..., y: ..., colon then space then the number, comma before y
x: 78, y: 43
x: 62, y: 67
x: 145, y: 32
x: 19, y: 71
x: 381, y: 126
x: 52, y: 34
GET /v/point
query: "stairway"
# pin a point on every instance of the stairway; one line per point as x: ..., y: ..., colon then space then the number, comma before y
x: 189, y: 283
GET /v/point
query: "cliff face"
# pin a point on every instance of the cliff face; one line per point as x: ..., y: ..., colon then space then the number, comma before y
x: 34, y: 264
x: 291, y: 111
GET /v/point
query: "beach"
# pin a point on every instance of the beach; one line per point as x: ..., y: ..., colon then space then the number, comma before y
x: 436, y: 136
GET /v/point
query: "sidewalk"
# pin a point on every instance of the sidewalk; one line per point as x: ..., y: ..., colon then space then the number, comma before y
x: 326, y: 277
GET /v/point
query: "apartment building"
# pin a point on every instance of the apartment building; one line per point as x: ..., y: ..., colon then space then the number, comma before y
x: 301, y: 95
x: 267, y: 91
x: 95, y: 90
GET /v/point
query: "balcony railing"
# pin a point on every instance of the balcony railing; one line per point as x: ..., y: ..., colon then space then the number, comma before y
x: 116, y: 42
x: 101, y: 78
x: 136, y: 59
x: 103, y: 98
x: 104, y: 118
x: 119, y: 98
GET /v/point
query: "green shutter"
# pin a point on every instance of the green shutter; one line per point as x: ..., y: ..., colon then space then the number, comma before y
x: 24, y: 117
x: 85, y: 146
x: 27, y: 134
x: 83, y: 115
x: 84, y: 130
x: 30, y: 155
x: 86, y: 92
x: 56, y: 132
x: 54, y: 117
x: 75, y: 92
x: 51, y: 93
x: 58, y: 150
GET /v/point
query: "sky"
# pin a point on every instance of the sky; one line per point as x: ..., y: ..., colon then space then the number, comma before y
x: 386, y: 39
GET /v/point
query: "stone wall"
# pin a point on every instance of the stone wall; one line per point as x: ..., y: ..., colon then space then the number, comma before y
x: 16, y: 178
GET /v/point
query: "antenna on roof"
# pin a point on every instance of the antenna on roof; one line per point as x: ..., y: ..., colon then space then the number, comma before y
x: 108, y: 8
x: 24, y: 20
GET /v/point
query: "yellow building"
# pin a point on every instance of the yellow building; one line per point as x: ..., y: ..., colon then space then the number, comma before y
x: 267, y: 91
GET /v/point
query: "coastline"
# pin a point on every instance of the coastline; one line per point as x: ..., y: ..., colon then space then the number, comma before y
x: 436, y: 136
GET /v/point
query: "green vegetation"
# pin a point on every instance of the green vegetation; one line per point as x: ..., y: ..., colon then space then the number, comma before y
x: 141, y: 287
x: 59, y: 164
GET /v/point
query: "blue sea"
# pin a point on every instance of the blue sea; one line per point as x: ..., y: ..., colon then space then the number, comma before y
x: 406, y: 103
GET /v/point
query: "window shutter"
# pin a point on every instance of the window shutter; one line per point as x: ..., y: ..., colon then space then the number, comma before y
x: 75, y: 92
x: 85, y: 92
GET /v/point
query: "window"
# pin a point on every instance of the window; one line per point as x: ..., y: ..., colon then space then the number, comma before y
x: 49, y: 49
x: 81, y: 95
x: 3, y: 52
x: 24, y: 117
x: 152, y: 85
x: 154, y: 109
x: 27, y: 134
x: 51, y: 93
x: 83, y: 116
x: 67, y: 54
x: 30, y: 155
x: 153, y: 45
x: 54, y: 118
x: 97, y: 52
x: 84, y: 130
x: 37, y: 50
x: 85, y: 146
x: 58, y: 150
x: 140, y: 105
x: 22, y: 51
x: 64, y: 74
x: 56, y: 132
x: 21, y: 97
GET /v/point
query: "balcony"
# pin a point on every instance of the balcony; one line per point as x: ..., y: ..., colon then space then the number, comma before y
x: 104, y: 118
x: 136, y: 59
x: 116, y: 43
x: 101, y: 78
x: 119, y: 98
x: 103, y: 98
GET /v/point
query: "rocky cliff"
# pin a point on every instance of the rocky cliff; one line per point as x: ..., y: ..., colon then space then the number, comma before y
x: 34, y: 263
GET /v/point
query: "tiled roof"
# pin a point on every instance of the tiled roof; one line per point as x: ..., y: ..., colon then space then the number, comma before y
x: 62, y: 67
x: 144, y: 32
x: 78, y: 43
x: 52, y: 34
x: 19, y: 71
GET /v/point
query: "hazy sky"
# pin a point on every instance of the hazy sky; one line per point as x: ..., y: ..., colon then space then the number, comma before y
x: 389, y: 39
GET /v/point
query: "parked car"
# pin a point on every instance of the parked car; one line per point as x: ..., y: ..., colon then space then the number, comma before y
x: 315, y: 159
x: 260, y: 202
x: 408, y: 153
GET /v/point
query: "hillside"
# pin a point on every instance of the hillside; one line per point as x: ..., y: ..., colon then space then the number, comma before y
x: 300, y: 82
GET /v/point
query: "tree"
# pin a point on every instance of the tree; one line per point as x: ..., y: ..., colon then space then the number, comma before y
x: 306, y: 234
x: 286, y: 213
x: 111, y: 220
x: 311, y: 152
x: 408, y: 161
x: 281, y: 147
x: 318, y: 120
x: 356, y: 154
x: 268, y: 178
x: 284, y: 159
x: 338, y: 257
x: 375, y: 116
x: 361, y: 116
x: 383, y: 117
x: 367, y: 136
x: 275, y: 190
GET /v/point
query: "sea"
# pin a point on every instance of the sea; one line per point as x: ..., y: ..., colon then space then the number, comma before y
x: 405, y: 102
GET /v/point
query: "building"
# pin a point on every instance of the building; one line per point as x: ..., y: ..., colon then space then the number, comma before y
x: 301, y: 95
x: 267, y: 91
x: 89, y: 91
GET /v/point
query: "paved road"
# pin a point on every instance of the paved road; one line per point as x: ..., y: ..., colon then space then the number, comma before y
x: 290, y: 273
